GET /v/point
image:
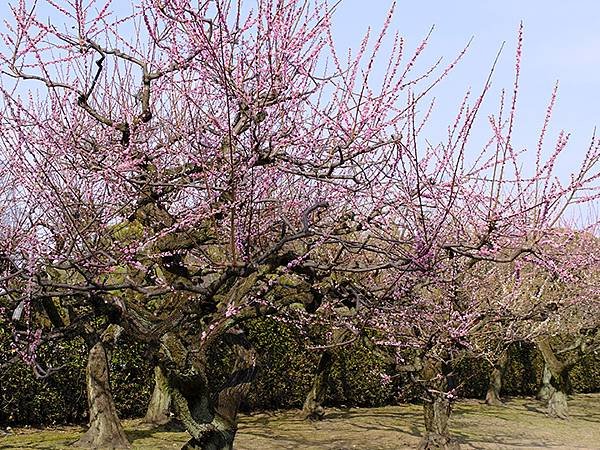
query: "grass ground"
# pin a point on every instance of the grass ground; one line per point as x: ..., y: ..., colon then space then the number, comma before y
x: 520, y: 424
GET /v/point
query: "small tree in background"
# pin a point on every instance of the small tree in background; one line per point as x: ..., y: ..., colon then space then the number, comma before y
x: 469, y: 218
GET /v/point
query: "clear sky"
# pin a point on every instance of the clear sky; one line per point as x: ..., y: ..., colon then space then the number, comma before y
x: 561, y: 42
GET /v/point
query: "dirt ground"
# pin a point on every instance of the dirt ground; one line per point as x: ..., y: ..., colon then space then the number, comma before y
x: 521, y: 424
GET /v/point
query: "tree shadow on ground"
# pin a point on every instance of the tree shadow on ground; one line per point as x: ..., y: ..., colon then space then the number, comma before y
x: 521, y: 424
x: 537, y: 408
x: 507, y: 440
x: 144, y: 431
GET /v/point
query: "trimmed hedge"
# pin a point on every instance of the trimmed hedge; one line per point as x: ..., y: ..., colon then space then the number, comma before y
x: 523, y: 375
x: 61, y: 397
x: 286, y: 364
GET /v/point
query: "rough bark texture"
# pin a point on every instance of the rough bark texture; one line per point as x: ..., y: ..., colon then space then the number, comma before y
x: 546, y: 390
x: 495, y: 386
x: 158, y: 408
x: 211, y: 419
x: 557, y: 405
x: 437, y: 436
x: 313, y: 405
x: 559, y: 380
x: 437, y: 407
x: 193, y: 406
x: 105, y: 430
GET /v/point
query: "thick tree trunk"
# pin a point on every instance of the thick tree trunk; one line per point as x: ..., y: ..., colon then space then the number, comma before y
x: 546, y: 390
x: 210, y: 419
x: 495, y: 385
x: 437, y: 407
x: 558, y: 406
x: 437, y: 436
x: 105, y: 430
x: 313, y: 405
x: 559, y: 381
x: 195, y: 407
x: 158, y: 408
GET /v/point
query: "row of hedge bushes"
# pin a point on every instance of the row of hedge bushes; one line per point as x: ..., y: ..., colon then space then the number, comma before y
x: 286, y: 367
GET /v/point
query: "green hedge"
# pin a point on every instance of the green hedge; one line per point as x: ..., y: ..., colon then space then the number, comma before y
x: 286, y: 365
x: 585, y: 376
x: 61, y: 397
x: 287, y: 362
x: 523, y: 375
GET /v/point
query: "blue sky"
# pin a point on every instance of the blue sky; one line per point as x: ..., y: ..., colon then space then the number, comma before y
x: 561, y: 42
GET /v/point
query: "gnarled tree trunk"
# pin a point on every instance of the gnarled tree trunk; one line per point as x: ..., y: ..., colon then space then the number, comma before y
x: 105, y: 430
x: 210, y: 419
x: 437, y: 412
x: 158, y: 408
x: 546, y: 390
x: 559, y: 381
x: 492, y: 396
x: 437, y: 408
x: 313, y: 405
x: 558, y: 406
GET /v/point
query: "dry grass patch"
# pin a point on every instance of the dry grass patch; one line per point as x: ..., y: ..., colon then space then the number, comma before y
x: 521, y: 424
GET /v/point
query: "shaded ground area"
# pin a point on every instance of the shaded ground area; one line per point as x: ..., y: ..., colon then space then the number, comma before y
x: 522, y: 424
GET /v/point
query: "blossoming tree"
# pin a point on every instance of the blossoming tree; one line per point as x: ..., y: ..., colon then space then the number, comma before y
x: 175, y: 169
x: 474, y: 216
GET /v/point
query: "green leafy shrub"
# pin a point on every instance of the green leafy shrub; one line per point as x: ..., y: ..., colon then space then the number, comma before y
x: 285, y: 365
x: 356, y: 377
x: 132, y: 378
x: 523, y: 374
x: 585, y: 376
x: 61, y: 397
x: 287, y: 361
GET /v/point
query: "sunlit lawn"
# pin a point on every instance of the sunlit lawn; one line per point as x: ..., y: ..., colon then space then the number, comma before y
x: 521, y: 424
